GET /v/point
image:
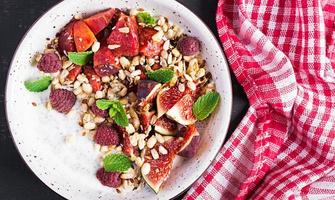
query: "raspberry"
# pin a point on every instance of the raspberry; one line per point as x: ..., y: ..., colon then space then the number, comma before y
x: 62, y: 100
x: 49, y: 63
x: 188, y: 46
x: 106, y: 135
x: 98, y: 112
x: 110, y: 179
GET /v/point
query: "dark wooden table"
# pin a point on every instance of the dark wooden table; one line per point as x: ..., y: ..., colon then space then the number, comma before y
x: 16, y: 16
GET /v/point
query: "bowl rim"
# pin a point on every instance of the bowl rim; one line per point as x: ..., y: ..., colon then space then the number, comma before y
x: 229, y: 87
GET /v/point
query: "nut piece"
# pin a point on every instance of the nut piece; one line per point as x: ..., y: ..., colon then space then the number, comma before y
x: 162, y: 150
x: 113, y: 46
x: 89, y: 126
x: 87, y: 88
x: 125, y: 63
x: 158, y: 36
x: 124, y: 30
x: 154, y: 154
x: 152, y: 141
x: 96, y: 46
x: 159, y: 138
x: 145, y: 169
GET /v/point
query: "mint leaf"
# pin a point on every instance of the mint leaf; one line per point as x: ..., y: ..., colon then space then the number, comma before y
x: 38, y: 85
x: 80, y: 58
x: 118, y: 114
x: 161, y: 75
x: 205, y: 105
x: 146, y: 18
x: 116, y: 111
x: 104, y: 104
x: 116, y: 163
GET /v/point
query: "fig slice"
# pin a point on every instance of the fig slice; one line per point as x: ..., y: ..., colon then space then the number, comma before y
x: 160, y: 168
x: 165, y: 126
x: 167, y: 98
x: 100, y: 20
x: 147, y: 90
x: 83, y: 36
x: 182, y: 112
x: 191, y: 145
x: 145, y: 119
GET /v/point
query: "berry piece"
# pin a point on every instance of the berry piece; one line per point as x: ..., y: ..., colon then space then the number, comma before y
x: 110, y: 179
x: 62, y: 100
x: 106, y: 135
x: 49, y: 63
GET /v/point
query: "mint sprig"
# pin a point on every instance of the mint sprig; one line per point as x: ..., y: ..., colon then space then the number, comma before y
x: 146, y: 18
x: 116, y: 111
x: 161, y: 75
x: 205, y: 105
x: 38, y: 85
x: 116, y: 163
x: 80, y: 58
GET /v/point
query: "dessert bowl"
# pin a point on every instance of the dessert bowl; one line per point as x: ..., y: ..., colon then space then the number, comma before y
x: 39, y: 134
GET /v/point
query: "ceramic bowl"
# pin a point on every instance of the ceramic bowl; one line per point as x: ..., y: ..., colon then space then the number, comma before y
x: 39, y: 134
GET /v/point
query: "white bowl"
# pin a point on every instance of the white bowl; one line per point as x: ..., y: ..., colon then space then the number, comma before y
x: 39, y: 134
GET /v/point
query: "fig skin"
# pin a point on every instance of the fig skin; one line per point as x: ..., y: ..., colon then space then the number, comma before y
x: 189, y: 46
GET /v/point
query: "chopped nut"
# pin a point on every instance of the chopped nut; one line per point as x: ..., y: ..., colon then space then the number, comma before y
x: 133, y: 139
x: 124, y: 101
x: 145, y: 169
x: 134, y: 117
x: 151, y: 142
x: 135, y: 61
x: 76, y: 84
x: 158, y: 36
x: 154, y: 154
x: 96, y: 46
x: 66, y: 64
x: 87, y: 88
x: 151, y: 61
x: 201, y: 73
x: 99, y: 95
x: 136, y: 73
x: 105, y: 79
x: 130, y: 129
x: 170, y: 34
x: 124, y: 30
x: 153, y: 119
x: 162, y: 150
x: 83, y: 107
x: 97, y: 146
x: 175, y: 52
x: 141, y: 142
x: 124, y: 62
x: 166, y: 45
x: 78, y: 16
x: 191, y: 85
x: 169, y: 59
x: 90, y: 101
x: 98, y: 119
x: 164, y: 54
x: 86, y: 118
x: 129, y: 174
x: 113, y: 46
x: 77, y: 91
x: 122, y: 75
x: 181, y: 87
x: 104, y: 148
x: 139, y: 161
x: 89, y: 126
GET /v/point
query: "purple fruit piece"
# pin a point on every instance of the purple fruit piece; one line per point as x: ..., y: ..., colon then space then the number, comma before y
x: 49, y: 63
x: 188, y: 46
x: 110, y: 179
x: 192, y: 148
x: 106, y: 135
x: 98, y: 112
x: 62, y: 100
x: 145, y: 87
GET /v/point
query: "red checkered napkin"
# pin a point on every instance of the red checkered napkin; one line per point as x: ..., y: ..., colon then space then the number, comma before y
x: 282, y: 52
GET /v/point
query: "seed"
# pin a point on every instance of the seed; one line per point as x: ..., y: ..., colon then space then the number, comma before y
x: 89, y: 126
x: 152, y: 141
x: 162, y: 150
x: 145, y: 169
x: 191, y: 85
x: 166, y: 45
x: 158, y: 36
x: 159, y: 138
x: 175, y: 52
x: 113, y: 46
x: 154, y: 154
x: 87, y: 88
x: 124, y: 62
x: 96, y: 46
x: 181, y: 87
x: 124, y: 30
x: 83, y: 107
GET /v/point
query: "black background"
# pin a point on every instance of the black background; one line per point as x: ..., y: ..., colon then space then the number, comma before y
x: 16, y: 16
